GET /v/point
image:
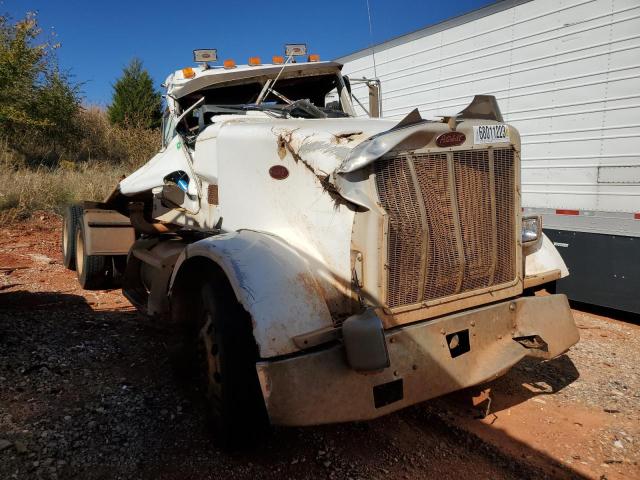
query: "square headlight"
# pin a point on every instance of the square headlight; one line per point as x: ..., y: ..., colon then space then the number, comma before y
x: 531, y: 228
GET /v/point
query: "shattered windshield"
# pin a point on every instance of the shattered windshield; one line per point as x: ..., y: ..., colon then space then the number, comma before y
x: 301, y: 97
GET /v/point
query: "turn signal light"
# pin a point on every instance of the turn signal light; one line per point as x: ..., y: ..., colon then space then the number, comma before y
x: 229, y: 63
x: 313, y: 57
x: 188, y: 72
x: 278, y: 59
x: 254, y: 61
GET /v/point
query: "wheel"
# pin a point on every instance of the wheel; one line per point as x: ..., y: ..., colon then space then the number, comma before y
x: 226, y: 361
x: 71, y: 217
x: 93, y: 270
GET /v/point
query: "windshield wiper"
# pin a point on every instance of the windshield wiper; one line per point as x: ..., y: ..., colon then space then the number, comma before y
x: 306, y: 107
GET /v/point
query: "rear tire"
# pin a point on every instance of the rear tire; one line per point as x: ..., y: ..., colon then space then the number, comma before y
x: 227, y: 355
x: 93, y: 270
x: 72, y: 216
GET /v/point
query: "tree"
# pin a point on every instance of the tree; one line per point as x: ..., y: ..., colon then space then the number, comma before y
x: 135, y: 102
x: 38, y: 102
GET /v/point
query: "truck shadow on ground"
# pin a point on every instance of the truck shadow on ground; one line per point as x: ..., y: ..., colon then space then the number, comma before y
x: 99, y: 392
x: 528, y: 379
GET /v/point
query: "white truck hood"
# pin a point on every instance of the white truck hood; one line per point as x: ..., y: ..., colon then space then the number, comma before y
x: 322, y: 145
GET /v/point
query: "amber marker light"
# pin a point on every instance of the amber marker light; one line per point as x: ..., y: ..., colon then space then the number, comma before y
x: 188, y: 72
x: 313, y: 57
x: 229, y: 63
x: 277, y: 59
x: 254, y: 61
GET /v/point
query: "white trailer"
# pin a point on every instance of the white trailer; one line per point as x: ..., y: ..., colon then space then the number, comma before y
x: 566, y: 74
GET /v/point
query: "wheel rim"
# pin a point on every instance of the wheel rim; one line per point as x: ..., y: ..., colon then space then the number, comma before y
x: 209, y: 349
x: 79, y: 252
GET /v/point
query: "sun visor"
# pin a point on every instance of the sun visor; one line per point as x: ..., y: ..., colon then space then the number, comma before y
x: 484, y: 107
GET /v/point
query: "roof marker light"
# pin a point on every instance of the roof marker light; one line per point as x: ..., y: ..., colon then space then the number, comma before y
x: 229, y: 63
x: 293, y: 49
x: 313, y: 57
x: 254, y: 61
x: 277, y: 59
x: 203, y: 55
x: 188, y: 72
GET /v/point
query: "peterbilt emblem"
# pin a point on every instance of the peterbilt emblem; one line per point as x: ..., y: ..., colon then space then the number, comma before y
x: 279, y: 172
x: 450, y: 139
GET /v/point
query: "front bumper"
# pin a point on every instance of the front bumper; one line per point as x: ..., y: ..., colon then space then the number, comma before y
x: 427, y: 361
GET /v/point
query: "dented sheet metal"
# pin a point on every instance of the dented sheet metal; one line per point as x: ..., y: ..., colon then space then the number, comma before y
x: 400, y: 137
x: 322, y: 150
x: 262, y: 268
x: 320, y: 387
x: 545, y: 259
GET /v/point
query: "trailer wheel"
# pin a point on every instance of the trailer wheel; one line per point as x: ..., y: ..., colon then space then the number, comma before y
x: 227, y: 356
x: 93, y: 270
x: 71, y: 217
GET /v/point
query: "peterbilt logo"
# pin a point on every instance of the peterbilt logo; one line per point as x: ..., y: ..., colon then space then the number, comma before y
x: 450, y: 139
x: 279, y: 172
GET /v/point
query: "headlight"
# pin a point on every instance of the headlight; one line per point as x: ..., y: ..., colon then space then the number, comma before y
x: 531, y: 229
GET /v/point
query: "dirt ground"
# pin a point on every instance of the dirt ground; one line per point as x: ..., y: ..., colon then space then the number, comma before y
x: 88, y: 390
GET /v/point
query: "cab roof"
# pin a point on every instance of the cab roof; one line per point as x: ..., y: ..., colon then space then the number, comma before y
x: 178, y: 86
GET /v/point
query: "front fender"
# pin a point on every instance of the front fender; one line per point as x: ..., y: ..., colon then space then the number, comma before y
x: 272, y: 281
x: 544, y: 265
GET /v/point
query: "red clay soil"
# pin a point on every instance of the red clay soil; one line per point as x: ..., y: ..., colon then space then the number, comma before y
x: 89, y: 390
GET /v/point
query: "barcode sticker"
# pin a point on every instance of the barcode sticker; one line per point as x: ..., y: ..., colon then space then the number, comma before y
x: 483, y: 134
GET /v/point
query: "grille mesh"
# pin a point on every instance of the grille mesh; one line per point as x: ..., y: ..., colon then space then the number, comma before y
x: 504, y: 174
x: 405, y: 227
x: 447, y: 233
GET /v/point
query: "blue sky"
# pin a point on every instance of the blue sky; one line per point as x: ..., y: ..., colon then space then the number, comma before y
x: 100, y: 37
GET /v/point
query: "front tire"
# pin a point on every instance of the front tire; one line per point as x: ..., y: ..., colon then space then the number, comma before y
x: 227, y: 355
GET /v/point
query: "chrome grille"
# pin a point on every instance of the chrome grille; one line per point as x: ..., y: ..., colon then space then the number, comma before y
x: 451, y: 222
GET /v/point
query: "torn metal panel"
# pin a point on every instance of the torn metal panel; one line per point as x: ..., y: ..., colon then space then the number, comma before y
x: 404, y: 138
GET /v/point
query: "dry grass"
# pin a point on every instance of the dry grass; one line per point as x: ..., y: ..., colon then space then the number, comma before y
x: 100, y: 140
x: 101, y: 155
x: 25, y: 190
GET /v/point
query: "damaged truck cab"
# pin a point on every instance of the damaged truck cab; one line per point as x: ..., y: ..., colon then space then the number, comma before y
x: 330, y: 268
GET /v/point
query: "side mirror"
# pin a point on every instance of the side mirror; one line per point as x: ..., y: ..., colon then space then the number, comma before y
x: 174, y: 189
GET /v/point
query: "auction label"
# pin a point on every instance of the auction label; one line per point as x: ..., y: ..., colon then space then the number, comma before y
x: 490, y: 134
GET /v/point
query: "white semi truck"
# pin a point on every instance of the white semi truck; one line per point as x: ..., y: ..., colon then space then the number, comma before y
x: 567, y: 76
x: 328, y: 268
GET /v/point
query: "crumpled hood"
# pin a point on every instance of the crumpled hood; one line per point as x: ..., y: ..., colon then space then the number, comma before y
x: 324, y: 145
x: 339, y: 149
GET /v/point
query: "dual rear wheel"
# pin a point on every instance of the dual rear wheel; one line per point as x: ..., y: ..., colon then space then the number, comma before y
x: 94, y: 271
